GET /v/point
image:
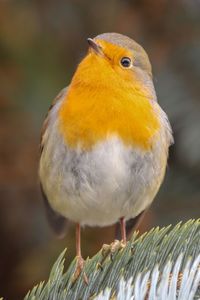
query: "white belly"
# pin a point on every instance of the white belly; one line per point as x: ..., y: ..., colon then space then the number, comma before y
x: 102, y: 185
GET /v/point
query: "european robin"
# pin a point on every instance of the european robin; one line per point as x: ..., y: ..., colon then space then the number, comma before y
x: 105, y: 140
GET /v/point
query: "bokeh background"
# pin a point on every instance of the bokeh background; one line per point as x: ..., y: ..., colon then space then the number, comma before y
x: 41, y: 42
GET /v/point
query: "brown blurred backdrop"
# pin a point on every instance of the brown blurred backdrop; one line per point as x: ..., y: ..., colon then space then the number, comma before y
x: 41, y: 42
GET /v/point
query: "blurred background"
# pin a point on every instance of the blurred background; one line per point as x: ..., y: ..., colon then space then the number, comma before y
x: 41, y: 42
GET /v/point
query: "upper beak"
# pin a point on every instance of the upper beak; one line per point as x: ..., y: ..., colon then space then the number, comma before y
x: 96, y: 47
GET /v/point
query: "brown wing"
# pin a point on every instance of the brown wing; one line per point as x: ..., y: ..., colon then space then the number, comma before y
x: 57, y: 222
x: 46, y: 120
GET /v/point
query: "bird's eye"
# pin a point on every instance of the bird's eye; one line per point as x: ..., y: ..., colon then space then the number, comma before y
x: 125, y: 62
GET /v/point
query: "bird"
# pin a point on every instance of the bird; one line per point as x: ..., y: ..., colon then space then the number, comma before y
x: 104, y: 142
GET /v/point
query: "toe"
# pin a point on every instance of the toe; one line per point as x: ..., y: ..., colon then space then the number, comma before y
x: 79, y: 267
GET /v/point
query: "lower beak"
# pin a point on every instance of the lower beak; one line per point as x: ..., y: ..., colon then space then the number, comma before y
x: 94, y: 46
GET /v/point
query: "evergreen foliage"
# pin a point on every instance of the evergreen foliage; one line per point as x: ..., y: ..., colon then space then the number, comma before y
x: 157, y: 261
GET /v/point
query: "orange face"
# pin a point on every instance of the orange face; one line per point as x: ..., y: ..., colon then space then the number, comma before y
x: 106, y: 99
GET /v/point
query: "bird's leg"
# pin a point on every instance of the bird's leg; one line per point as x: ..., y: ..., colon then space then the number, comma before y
x: 80, y: 260
x: 116, y: 245
x: 123, y: 229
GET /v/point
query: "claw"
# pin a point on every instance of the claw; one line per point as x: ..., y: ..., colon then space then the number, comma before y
x: 111, y: 249
x: 117, y: 245
x: 79, y: 269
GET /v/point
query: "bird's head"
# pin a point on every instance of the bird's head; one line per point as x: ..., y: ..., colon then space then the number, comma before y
x: 111, y: 92
x: 121, y: 52
x: 116, y: 60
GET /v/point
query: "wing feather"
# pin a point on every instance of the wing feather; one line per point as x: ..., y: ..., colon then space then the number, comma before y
x: 57, y: 222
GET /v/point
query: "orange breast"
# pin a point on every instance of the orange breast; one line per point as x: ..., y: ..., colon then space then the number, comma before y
x: 94, y: 110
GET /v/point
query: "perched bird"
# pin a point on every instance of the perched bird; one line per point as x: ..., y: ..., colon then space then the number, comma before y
x: 105, y: 140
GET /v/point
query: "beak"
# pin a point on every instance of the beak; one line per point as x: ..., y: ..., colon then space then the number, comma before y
x: 94, y: 46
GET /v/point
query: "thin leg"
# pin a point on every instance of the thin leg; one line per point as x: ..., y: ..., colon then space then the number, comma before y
x: 80, y: 260
x: 78, y: 240
x: 116, y: 245
x: 123, y: 229
x: 130, y: 225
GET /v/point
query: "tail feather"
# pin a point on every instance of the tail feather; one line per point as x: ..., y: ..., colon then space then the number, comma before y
x: 57, y: 222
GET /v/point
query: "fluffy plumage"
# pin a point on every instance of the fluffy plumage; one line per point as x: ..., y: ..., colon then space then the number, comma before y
x: 105, y: 141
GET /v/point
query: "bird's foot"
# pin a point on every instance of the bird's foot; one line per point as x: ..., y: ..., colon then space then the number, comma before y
x: 111, y: 249
x: 79, y: 268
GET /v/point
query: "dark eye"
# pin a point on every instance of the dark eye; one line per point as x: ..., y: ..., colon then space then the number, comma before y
x: 125, y: 62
